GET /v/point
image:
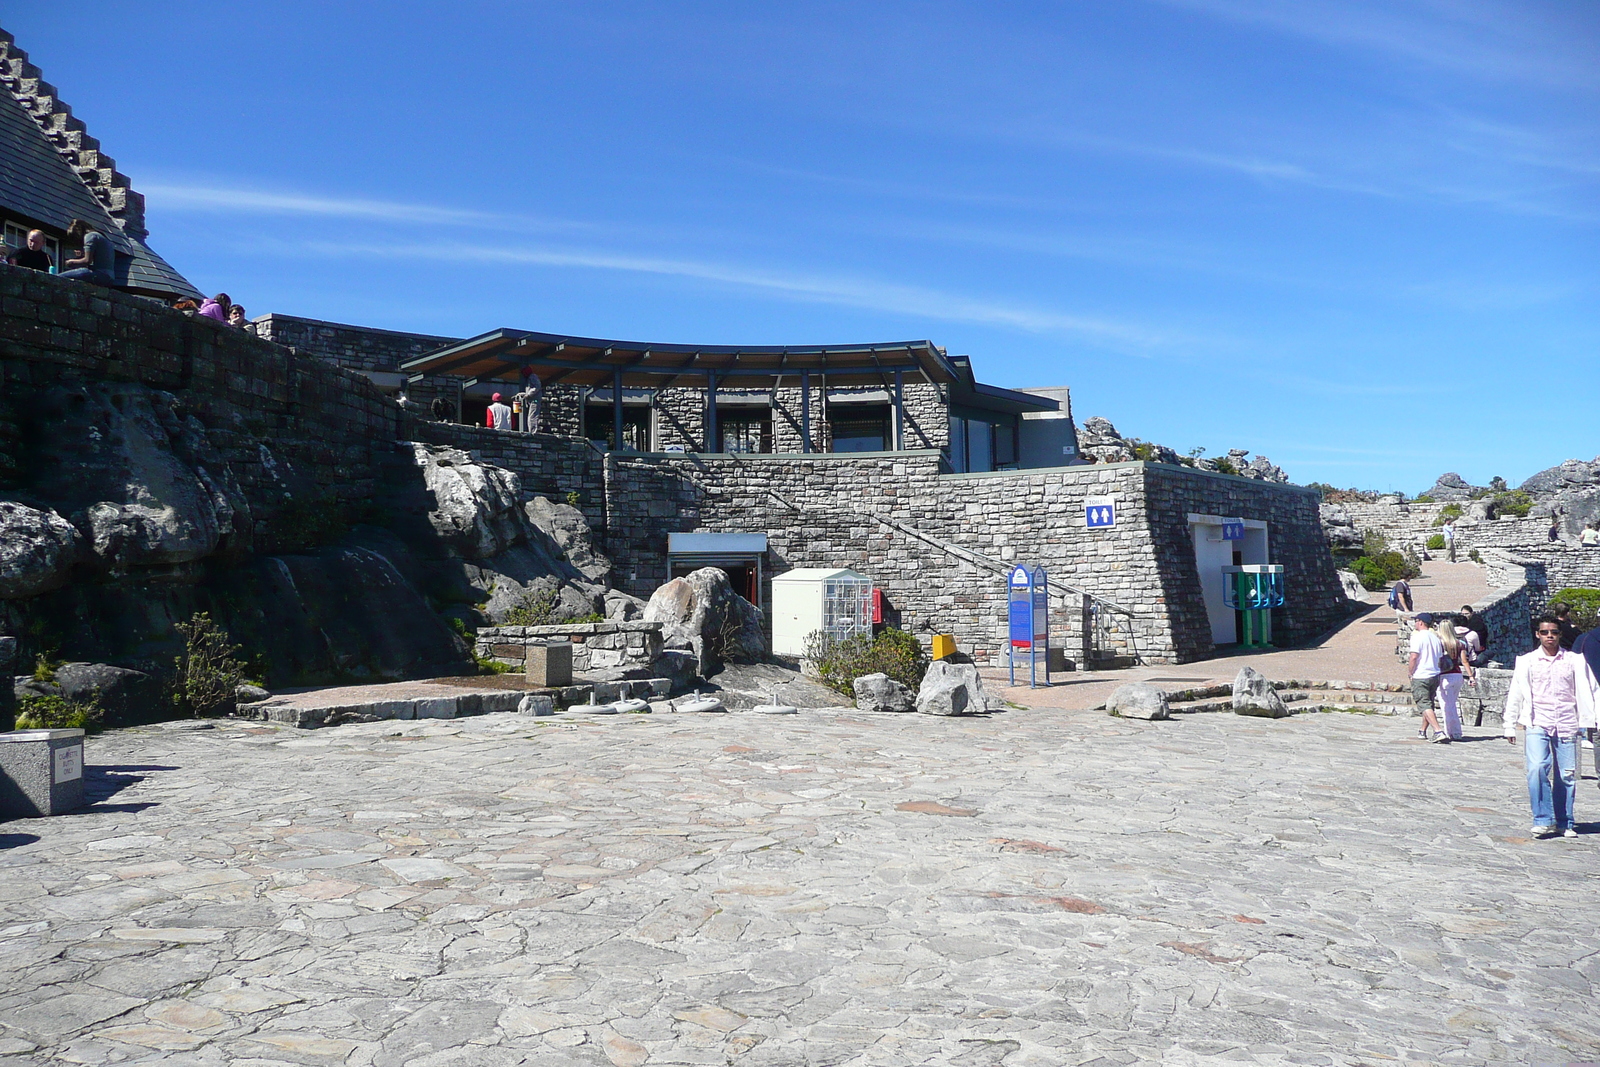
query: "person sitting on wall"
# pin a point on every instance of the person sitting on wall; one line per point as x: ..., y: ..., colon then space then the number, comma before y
x: 498, y: 417
x: 236, y: 317
x: 441, y: 409
x: 216, y: 307
x: 1480, y: 626
x: 33, y: 256
x: 98, y: 263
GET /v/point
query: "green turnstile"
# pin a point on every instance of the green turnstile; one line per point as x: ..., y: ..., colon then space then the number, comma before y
x: 1254, y: 590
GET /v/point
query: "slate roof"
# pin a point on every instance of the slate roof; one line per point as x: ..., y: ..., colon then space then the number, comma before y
x: 38, y: 186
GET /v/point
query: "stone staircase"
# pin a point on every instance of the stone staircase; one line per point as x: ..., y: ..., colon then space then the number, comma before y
x: 99, y: 171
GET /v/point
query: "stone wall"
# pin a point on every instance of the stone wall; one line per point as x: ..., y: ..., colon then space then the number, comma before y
x: 1545, y: 569
x: 939, y: 545
x: 361, y: 349
x: 596, y: 646
x: 329, y: 430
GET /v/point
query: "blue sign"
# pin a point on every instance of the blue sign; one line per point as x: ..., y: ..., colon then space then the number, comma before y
x: 1028, y: 619
x: 1021, y: 624
x: 1099, y: 512
x: 1233, y: 529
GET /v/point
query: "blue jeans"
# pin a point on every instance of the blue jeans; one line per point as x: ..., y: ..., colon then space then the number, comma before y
x: 86, y: 274
x: 1551, y: 795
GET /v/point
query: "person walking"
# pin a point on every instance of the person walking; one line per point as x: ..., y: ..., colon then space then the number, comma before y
x: 1455, y: 670
x: 1450, y: 539
x: 1400, y: 596
x: 1423, y: 665
x: 98, y: 264
x: 1553, y: 696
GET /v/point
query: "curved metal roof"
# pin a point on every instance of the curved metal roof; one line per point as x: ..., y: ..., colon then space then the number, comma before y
x: 502, y: 354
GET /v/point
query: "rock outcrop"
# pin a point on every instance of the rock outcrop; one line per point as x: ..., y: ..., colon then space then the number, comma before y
x: 1570, y: 490
x: 951, y: 688
x: 1253, y: 695
x: 1451, y: 488
x: 702, y: 613
x: 879, y: 692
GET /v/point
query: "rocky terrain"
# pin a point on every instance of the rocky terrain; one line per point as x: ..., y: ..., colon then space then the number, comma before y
x: 1099, y: 441
x: 1570, y: 490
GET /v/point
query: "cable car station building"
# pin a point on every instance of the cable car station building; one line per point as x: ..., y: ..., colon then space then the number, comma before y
x: 891, y: 460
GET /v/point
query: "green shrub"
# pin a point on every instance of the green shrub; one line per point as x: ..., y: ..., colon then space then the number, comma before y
x: 1585, y: 606
x: 490, y: 665
x: 573, y: 498
x: 1446, y: 513
x: 535, y: 609
x: 1515, y: 503
x: 1436, y: 542
x: 1474, y: 556
x: 1144, y: 451
x: 838, y: 663
x: 209, y: 671
x: 45, y: 667
x: 1224, y: 465
x: 1383, y: 569
x: 1423, y: 498
x: 59, y: 713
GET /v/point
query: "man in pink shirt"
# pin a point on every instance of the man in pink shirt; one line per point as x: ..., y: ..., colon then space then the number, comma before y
x: 1553, y: 697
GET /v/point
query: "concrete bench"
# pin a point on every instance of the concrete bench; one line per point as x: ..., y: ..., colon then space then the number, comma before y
x: 41, y: 772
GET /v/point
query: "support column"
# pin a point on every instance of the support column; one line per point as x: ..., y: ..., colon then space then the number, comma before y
x: 711, y: 411
x: 616, y: 410
x: 805, y: 411
x: 899, y: 410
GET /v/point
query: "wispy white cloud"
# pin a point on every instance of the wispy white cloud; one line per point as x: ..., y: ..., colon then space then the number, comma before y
x: 1523, y: 41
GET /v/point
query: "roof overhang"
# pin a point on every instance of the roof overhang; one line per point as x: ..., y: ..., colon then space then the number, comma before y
x: 505, y: 354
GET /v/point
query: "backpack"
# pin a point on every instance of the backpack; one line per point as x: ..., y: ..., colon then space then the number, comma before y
x: 1394, y: 596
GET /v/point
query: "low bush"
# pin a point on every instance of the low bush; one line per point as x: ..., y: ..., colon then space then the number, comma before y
x: 1384, y: 569
x: 1224, y: 465
x: 838, y: 663
x: 1585, y: 605
x: 1448, y: 512
x: 535, y: 609
x: 1515, y: 503
x: 209, y: 671
x: 1474, y: 556
x: 59, y: 713
x: 1436, y: 543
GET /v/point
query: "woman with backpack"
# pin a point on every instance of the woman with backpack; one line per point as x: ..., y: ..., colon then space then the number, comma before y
x: 1455, y: 670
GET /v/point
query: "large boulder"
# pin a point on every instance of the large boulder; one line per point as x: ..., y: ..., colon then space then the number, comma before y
x: 1253, y: 695
x: 879, y: 692
x: 476, y: 508
x: 1351, y: 584
x: 567, y: 528
x: 702, y: 613
x: 128, y: 696
x: 951, y: 689
x: 1099, y: 440
x: 36, y: 550
x: 1138, y: 701
x: 1451, y: 488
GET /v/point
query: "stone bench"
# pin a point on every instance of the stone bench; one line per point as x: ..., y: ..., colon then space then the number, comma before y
x: 596, y: 646
x: 41, y: 772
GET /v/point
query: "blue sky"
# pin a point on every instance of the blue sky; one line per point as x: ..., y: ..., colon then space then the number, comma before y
x: 1361, y: 239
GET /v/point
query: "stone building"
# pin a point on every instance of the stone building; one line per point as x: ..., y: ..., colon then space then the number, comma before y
x: 52, y: 171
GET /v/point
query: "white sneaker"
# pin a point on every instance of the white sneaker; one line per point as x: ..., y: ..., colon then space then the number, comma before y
x: 1569, y: 832
x: 1540, y: 831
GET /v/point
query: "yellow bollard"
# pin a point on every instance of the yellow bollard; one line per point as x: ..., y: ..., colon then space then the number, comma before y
x: 944, y: 646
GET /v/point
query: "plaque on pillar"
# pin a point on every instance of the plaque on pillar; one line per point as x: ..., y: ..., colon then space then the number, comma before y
x: 41, y: 773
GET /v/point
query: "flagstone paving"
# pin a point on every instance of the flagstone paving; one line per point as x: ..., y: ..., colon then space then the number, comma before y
x: 1033, y: 887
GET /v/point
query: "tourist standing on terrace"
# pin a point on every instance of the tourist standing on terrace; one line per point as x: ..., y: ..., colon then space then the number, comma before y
x: 1423, y: 665
x: 1450, y: 539
x: 1553, y: 696
x: 236, y: 317
x: 498, y: 417
x: 216, y: 307
x: 1455, y: 671
x: 1476, y: 623
x: 98, y: 264
x: 1400, y: 596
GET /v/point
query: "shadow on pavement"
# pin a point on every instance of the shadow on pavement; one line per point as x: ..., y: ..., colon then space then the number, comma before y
x: 101, y: 783
x: 16, y: 840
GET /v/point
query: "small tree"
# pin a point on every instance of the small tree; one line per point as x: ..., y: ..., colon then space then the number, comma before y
x: 209, y: 671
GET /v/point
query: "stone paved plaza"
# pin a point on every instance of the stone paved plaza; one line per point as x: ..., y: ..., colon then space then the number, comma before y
x: 1032, y: 887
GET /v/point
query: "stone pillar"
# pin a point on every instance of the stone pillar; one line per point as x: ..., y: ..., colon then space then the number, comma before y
x: 41, y: 773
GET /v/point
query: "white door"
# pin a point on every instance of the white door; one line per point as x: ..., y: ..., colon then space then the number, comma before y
x: 1211, y: 554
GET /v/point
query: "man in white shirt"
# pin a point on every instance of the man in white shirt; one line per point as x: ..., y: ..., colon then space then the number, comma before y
x: 1553, y: 697
x: 499, y: 415
x: 1423, y: 666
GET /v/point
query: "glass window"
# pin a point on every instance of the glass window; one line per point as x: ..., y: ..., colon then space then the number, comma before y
x: 745, y: 432
x: 980, y: 446
x: 859, y: 428
x: 958, y: 445
x: 599, y: 422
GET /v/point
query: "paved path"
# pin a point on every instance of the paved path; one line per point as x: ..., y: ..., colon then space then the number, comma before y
x: 1361, y: 651
x: 1036, y: 887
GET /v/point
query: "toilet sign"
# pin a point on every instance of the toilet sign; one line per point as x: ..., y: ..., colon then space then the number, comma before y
x: 1099, y: 512
x: 1233, y: 529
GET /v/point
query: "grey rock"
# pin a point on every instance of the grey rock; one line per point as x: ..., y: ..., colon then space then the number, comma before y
x: 1138, y: 701
x: 1452, y: 488
x: 37, y: 549
x: 742, y: 686
x: 251, y: 694
x: 879, y: 692
x: 128, y: 696
x: 567, y: 527
x: 701, y: 612
x: 1099, y: 439
x: 1480, y: 510
x: 1353, y: 589
x: 475, y: 508
x: 1253, y: 695
x: 951, y: 689
x: 536, y: 704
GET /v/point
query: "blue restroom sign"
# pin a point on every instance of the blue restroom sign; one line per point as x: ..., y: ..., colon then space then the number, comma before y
x: 1099, y: 512
x: 1233, y: 529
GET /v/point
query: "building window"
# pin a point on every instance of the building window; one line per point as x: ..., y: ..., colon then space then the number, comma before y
x: 978, y: 445
x: 859, y: 428
x: 599, y: 422
x: 745, y: 432
x: 16, y: 238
